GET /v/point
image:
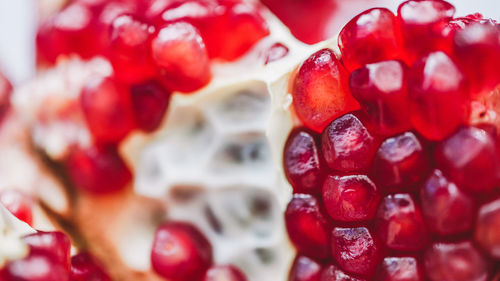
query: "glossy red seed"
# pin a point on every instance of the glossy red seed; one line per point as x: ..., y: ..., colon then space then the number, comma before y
x: 107, y: 108
x: 320, y: 93
x: 18, y: 203
x: 276, y: 52
x: 487, y: 231
x: 333, y: 273
x: 439, y: 96
x: 350, y: 198
x: 347, y: 145
x: 369, y: 37
x: 149, y: 102
x: 446, y: 209
x: 421, y: 23
x: 400, y: 163
x: 455, y: 261
x: 477, y: 49
x: 225, y: 273
x: 304, y: 269
x: 54, y: 244
x: 381, y: 90
x: 180, y: 252
x: 303, y: 167
x: 307, y: 226
x: 469, y: 158
x: 84, y: 267
x: 399, y: 269
x: 5, y: 93
x: 98, y: 170
x: 356, y: 250
x: 130, y: 51
x: 181, y: 57
x: 36, y: 267
x: 399, y: 224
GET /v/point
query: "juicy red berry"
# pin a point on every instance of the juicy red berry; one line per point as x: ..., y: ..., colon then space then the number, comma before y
x: 54, y: 244
x: 149, y: 102
x: 477, y: 49
x: 36, y: 267
x: 399, y: 224
x: 333, y: 273
x: 347, y: 145
x: 302, y: 164
x: 304, y: 269
x: 98, y: 170
x: 400, y: 163
x: 446, y: 209
x: 455, y: 261
x: 276, y: 52
x: 225, y: 273
x: 399, y: 269
x: 130, y: 54
x: 180, y: 252
x: 307, y: 227
x: 350, y: 198
x: 107, y: 108
x: 5, y: 92
x: 18, y: 203
x: 84, y: 267
x: 355, y: 250
x: 421, y: 23
x: 469, y: 158
x: 487, y: 230
x: 380, y: 88
x: 439, y: 97
x: 181, y: 57
x: 369, y: 37
x: 320, y: 92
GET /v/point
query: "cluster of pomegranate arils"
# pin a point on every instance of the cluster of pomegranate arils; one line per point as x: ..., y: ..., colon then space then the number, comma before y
x: 391, y: 180
x: 156, y: 47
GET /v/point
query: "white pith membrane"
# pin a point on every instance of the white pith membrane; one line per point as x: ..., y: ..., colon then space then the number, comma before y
x: 11, y: 231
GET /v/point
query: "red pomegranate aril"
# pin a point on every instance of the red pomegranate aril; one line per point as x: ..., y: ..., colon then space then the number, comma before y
x: 487, y: 230
x: 180, y: 252
x: 149, y: 102
x: 333, y: 273
x: 399, y: 269
x: 369, y: 37
x: 54, y: 244
x: 181, y: 57
x: 302, y: 164
x: 276, y: 52
x: 446, y: 209
x: 98, y: 170
x: 350, y: 198
x: 305, y: 269
x: 347, y: 145
x: 400, y: 163
x: 421, y: 23
x: 36, y: 267
x: 381, y: 90
x: 356, y: 250
x: 320, y: 93
x: 18, y: 203
x: 130, y: 50
x: 84, y: 267
x: 307, y: 226
x: 107, y: 108
x: 399, y: 224
x: 439, y: 96
x: 469, y: 158
x: 5, y: 93
x: 455, y: 261
x: 224, y: 273
x: 477, y: 48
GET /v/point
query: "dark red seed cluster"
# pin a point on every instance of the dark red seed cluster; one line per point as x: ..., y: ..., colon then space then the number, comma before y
x: 182, y: 253
x: 49, y: 259
x: 405, y: 188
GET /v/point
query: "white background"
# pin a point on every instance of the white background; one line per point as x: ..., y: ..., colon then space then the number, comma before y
x: 18, y: 20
